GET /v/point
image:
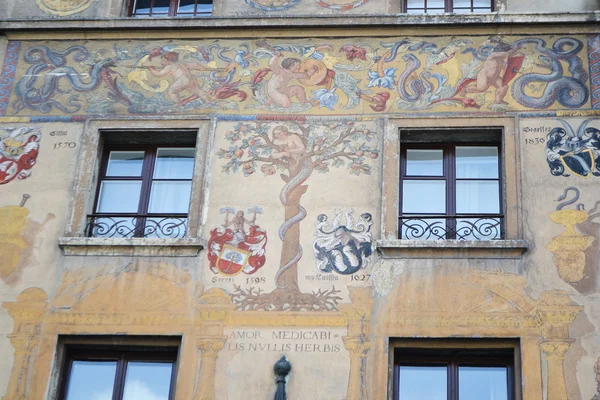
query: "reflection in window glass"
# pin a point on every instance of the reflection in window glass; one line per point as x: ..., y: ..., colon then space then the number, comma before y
x: 91, y: 380
x: 424, y: 162
x: 170, y: 197
x: 147, y: 380
x: 476, y: 162
x: 435, y: 4
x: 174, y: 163
x: 420, y: 383
x: 477, y: 197
x: 119, y: 196
x: 125, y: 163
x: 416, y: 3
x: 159, y: 7
x: 483, y: 383
x: 423, y: 197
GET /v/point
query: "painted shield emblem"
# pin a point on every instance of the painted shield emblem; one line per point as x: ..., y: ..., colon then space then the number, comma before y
x: 581, y: 164
x: 232, y: 260
x: 512, y: 68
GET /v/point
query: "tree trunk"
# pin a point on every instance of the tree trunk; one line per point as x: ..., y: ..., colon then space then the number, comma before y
x: 291, y: 239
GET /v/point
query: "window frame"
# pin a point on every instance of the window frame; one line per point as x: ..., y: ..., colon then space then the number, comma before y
x: 468, y: 351
x: 147, y: 178
x: 122, y: 354
x: 95, y: 135
x: 449, y: 176
x: 172, y: 12
x: 449, y: 8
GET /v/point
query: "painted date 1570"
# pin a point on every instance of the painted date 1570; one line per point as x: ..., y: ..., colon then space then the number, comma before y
x: 64, y: 145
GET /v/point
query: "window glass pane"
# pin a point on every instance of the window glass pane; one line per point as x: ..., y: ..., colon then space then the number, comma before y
x: 125, y: 163
x: 91, y: 380
x: 423, y: 197
x: 435, y: 4
x: 478, y: 229
x: 423, y: 229
x: 186, y: 6
x: 119, y: 196
x: 462, y: 3
x: 483, y: 4
x: 419, y: 383
x: 482, y: 383
x: 476, y: 162
x: 142, y: 7
x: 477, y: 197
x: 435, y: 11
x: 174, y: 163
x: 170, y: 197
x: 160, y: 7
x: 424, y: 162
x: 147, y: 381
x: 415, y: 4
x: 204, y: 7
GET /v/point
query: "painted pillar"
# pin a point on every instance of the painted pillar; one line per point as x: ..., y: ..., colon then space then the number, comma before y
x: 359, y: 349
x: 357, y: 341
x: 27, y: 312
x: 209, y: 350
x: 555, y: 354
x: 555, y: 313
x: 212, y: 312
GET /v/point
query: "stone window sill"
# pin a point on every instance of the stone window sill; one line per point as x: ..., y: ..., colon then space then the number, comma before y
x: 150, y: 247
x: 500, y: 249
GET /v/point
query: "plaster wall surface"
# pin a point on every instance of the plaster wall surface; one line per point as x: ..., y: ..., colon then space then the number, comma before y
x: 311, y: 268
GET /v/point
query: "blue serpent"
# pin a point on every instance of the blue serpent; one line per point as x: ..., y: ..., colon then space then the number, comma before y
x: 292, y: 184
x: 570, y: 92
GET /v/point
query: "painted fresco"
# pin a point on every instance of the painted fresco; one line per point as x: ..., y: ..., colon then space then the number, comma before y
x: 292, y: 211
x: 574, y: 152
x: 287, y: 167
x: 318, y: 76
x: 19, y: 148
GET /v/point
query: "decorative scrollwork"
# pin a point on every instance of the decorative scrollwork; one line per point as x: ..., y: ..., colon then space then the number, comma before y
x: 463, y: 227
x: 131, y: 226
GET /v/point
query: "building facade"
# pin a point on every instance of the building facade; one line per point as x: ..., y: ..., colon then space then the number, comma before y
x: 400, y: 198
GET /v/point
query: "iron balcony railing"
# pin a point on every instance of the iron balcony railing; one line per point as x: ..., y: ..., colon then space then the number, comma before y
x: 162, y: 226
x: 455, y: 227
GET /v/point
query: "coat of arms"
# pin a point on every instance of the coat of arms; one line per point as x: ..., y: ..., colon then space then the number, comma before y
x: 574, y: 153
x: 343, y: 248
x: 19, y: 149
x: 238, y: 245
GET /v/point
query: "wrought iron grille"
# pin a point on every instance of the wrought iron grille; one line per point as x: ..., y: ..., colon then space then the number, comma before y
x: 163, y: 226
x: 457, y: 227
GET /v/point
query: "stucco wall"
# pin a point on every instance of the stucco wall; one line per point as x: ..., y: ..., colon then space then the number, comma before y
x: 332, y: 319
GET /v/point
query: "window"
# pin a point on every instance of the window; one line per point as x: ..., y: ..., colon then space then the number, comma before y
x: 170, y: 8
x: 448, y: 6
x: 144, y: 191
x: 462, y: 373
x: 450, y: 186
x: 118, y: 373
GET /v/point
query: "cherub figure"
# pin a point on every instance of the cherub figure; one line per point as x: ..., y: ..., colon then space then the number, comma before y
x: 239, y: 228
x: 277, y: 88
x: 183, y: 79
x: 494, y: 70
x: 290, y: 144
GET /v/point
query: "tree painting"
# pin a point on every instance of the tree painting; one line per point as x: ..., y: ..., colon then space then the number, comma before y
x: 296, y: 151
